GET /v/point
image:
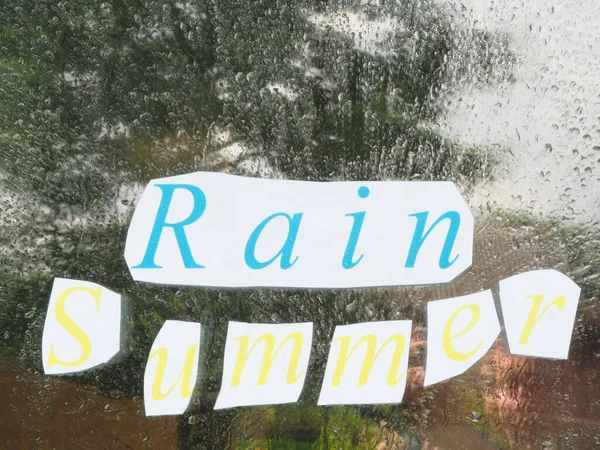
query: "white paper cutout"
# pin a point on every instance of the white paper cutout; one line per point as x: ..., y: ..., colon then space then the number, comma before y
x: 352, y: 383
x: 82, y: 328
x: 209, y: 219
x: 176, y: 350
x: 460, y: 331
x: 539, y: 310
x: 255, y: 382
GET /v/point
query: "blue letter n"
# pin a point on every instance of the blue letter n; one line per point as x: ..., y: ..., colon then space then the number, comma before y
x: 161, y: 222
x: 420, y: 236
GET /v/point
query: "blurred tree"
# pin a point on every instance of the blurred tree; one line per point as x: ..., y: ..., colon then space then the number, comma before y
x: 97, y: 98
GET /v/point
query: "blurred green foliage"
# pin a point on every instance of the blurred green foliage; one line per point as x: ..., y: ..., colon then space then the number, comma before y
x: 100, y: 97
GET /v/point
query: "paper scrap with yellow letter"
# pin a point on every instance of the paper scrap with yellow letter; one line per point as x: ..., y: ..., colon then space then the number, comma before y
x: 539, y: 310
x: 264, y: 364
x: 460, y: 331
x: 172, y: 368
x: 82, y: 328
x: 367, y: 364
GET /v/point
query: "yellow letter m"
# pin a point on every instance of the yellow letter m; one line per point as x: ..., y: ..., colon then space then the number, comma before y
x: 371, y: 356
x: 270, y: 353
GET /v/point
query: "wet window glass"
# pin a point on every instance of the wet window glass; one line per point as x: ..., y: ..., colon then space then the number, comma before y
x: 98, y: 98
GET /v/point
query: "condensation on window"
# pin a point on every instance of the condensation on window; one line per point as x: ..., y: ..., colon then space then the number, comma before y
x: 98, y: 98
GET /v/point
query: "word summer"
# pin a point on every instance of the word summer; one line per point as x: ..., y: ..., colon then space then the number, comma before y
x: 267, y: 363
x: 213, y: 229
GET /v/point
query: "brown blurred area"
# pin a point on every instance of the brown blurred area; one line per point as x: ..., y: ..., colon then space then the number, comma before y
x: 43, y: 412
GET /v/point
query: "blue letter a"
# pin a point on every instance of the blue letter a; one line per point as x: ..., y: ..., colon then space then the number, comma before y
x: 161, y: 222
x: 420, y: 236
x: 286, y: 250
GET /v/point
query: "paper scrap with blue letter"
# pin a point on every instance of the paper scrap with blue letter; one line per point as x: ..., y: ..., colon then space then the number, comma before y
x: 213, y: 229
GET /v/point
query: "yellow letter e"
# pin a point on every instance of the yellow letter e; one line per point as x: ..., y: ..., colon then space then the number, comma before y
x: 460, y: 331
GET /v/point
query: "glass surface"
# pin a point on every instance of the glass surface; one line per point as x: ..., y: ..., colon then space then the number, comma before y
x: 97, y: 98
